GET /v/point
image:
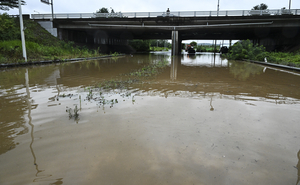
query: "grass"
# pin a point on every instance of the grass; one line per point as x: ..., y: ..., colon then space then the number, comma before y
x: 40, y: 44
x: 284, y: 58
x: 158, y: 49
x: 11, y: 52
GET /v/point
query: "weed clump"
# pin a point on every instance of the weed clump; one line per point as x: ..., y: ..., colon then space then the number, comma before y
x: 73, y: 113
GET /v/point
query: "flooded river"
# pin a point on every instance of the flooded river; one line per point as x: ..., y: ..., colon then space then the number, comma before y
x: 203, y: 120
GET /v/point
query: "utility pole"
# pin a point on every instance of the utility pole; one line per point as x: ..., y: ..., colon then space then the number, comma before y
x: 290, y: 5
x: 22, y: 31
x: 52, y: 9
x: 48, y: 3
x: 218, y: 8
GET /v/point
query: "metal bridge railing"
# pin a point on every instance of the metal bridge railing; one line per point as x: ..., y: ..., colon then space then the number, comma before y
x: 171, y: 14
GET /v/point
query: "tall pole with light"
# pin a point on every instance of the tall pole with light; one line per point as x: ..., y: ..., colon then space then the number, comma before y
x: 218, y: 8
x: 22, y: 32
x: 290, y: 5
x: 217, y: 15
x: 52, y: 9
x: 48, y: 3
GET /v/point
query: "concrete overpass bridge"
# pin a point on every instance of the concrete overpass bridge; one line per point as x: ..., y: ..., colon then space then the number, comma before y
x: 275, y: 29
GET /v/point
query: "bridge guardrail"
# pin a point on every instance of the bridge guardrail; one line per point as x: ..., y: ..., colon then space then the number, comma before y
x: 171, y: 14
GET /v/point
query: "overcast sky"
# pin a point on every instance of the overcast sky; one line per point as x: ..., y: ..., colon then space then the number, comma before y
x: 90, y: 6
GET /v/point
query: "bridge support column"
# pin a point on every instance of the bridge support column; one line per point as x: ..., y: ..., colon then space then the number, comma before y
x: 176, y: 43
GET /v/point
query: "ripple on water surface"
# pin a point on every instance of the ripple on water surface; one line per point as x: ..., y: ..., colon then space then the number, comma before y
x: 203, y: 120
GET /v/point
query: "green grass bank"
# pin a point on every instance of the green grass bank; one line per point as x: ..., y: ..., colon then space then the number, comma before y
x: 40, y: 44
x: 246, y: 50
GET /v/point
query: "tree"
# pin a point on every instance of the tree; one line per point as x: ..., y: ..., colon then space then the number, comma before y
x: 8, y: 28
x: 193, y: 43
x: 10, y: 4
x: 140, y: 45
x: 262, y: 6
x: 102, y: 10
x: 246, y: 50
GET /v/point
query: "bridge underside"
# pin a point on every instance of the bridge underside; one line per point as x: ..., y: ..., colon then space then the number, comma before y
x: 274, y: 32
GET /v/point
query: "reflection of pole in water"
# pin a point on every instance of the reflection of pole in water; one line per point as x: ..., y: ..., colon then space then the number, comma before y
x: 298, y: 167
x: 214, y: 58
x: 30, y: 122
x: 211, y: 107
x: 174, y: 63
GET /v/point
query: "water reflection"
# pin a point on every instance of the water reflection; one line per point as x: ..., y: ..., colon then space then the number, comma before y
x: 243, y: 70
x: 205, y: 81
x: 203, y: 60
x: 298, y: 167
x: 28, y: 100
x: 175, y: 61
x: 211, y: 106
x: 52, y: 79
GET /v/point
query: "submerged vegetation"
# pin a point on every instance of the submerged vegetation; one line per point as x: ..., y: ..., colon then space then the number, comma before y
x: 246, y: 50
x: 40, y: 44
x: 73, y: 113
x: 120, y: 86
x: 136, y: 76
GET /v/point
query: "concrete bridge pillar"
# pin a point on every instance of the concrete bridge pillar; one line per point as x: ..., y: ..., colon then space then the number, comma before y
x: 176, y: 43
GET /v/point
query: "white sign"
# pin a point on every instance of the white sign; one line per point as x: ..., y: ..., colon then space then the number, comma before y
x: 45, y: 1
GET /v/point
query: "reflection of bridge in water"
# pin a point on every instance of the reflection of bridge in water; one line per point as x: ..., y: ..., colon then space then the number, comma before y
x: 208, y: 75
x: 197, y: 60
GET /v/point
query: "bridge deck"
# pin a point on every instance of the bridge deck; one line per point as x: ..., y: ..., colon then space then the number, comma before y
x: 172, y: 14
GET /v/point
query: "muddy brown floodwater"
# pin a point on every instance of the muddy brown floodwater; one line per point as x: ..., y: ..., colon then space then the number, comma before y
x: 203, y: 120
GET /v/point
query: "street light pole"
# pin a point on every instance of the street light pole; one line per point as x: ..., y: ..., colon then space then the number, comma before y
x: 52, y: 9
x: 22, y: 31
x: 290, y: 5
x: 218, y: 8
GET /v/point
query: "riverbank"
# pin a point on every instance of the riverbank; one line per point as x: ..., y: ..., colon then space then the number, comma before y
x: 274, y: 65
x: 7, y: 65
x: 245, y: 50
x: 40, y: 45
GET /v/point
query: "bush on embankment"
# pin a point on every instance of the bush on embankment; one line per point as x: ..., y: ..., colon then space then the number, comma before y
x: 40, y: 44
x: 246, y: 50
x: 284, y: 58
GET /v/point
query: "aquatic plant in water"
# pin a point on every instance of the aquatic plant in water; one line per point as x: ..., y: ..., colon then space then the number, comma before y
x: 73, y: 112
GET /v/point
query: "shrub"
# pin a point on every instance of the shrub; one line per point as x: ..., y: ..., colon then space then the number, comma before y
x: 246, y: 50
x: 8, y: 29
